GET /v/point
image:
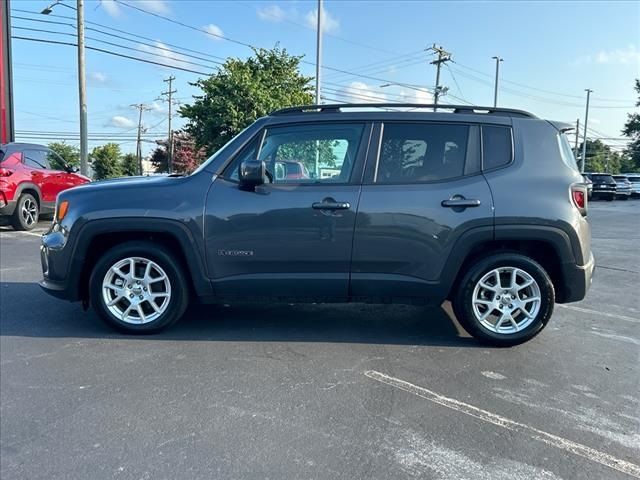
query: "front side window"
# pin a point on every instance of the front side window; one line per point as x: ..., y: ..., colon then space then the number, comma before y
x: 414, y: 152
x: 35, y: 159
x: 304, y: 153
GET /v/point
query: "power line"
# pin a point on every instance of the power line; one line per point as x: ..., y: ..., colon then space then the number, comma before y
x: 117, y: 45
x: 536, y: 88
x: 138, y: 42
x: 109, y: 52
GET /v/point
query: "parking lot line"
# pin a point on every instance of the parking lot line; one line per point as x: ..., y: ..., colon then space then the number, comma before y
x: 595, y: 312
x: 486, y: 416
x: 34, y: 234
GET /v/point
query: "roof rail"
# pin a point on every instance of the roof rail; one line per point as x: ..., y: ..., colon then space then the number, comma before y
x: 468, y: 109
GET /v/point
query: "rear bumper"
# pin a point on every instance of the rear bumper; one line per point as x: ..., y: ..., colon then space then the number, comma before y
x: 577, y: 280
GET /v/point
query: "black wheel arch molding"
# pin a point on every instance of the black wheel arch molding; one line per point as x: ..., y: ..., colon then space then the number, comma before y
x: 66, y: 258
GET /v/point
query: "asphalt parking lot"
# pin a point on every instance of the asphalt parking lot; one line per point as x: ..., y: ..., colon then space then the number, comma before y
x: 315, y: 391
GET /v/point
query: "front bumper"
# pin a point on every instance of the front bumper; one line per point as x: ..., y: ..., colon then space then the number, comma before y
x: 577, y: 280
x: 59, y: 267
x: 7, y: 208
x: 623, y: 193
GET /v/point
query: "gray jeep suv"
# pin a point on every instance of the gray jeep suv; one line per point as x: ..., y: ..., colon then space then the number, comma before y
x: 482, y: 206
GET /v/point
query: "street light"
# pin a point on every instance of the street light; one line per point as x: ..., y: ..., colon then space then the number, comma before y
x: 82, y: 86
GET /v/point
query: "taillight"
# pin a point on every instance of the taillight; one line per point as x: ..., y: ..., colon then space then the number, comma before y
x: 579, y: 197
x: 5, y: 172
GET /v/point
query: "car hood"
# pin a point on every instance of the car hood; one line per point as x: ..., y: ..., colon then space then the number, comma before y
x: 126, y: 183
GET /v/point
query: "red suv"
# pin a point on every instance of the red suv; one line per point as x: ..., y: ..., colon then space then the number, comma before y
x: 29, y: 184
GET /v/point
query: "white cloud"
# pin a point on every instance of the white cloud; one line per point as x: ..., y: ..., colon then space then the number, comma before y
x: 156, y: 6
x: 97, y: 77
x: 620, y: 56
x: 122, y: 122
x: 360, y: 92
x: 215, y: 31
x: 111, y: 7
x: 161, y: 49
x: 271, y: 13
x: 330, y: 24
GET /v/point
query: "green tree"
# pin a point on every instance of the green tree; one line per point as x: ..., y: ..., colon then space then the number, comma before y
x: 105, y: 161
x: 70, y: 154
x: 242, y: 91
x: 159, y: 157
x: 129, y: 165
x: 600, y: 158
x: 632, y: 130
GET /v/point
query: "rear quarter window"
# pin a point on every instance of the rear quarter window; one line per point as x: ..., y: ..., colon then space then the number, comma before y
x: 497, y: 146
x: 566, y: 152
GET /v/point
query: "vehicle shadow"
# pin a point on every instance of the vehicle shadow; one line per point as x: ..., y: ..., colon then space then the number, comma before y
x: 26, y: 311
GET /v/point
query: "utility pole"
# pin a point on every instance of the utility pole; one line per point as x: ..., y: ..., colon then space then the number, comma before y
x: 318, y: 52
x: 169, y: 94
x: 443, y: 57
x: 584, y: 138
x: 82, y: 87
x: 495, y: 90
x: 141, y: 107
x: 82, y: 92
x: 575, y: 150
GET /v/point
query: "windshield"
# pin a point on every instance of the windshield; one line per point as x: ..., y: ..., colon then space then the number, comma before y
x: 602, y: 178
x: 218, y: 152
x: 634, y: 179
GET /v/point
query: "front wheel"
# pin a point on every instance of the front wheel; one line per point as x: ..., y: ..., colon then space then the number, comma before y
x: 505, y: 299
x: 26, y: 214
x: 139, y: 287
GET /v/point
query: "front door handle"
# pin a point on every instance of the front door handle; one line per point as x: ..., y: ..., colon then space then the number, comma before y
x: 459, y: 201
x: 331, y: 205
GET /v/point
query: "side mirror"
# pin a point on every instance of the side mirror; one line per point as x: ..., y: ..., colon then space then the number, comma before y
x: 252, y: 173
x: 71, y: 169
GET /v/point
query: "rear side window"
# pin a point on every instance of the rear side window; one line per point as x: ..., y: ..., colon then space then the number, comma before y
x: 414, y: 152
x: 35, y: 159
x: 497, y: 146
x: 565, y: 151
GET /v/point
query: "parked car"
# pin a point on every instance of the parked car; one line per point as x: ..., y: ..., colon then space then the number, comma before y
x: 589, y: 184
x: 634, y: 178
x: 623, y: 187
x: 604, y: 186
x: 28, y: 183
x: 428, y: 206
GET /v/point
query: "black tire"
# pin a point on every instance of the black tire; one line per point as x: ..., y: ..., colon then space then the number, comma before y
x: 463, y: 308
x: 178, y: 300
x: 610, y: 198
x: 22, y: 221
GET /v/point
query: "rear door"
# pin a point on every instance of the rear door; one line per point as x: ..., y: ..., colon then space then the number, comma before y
x: 291, y: 237
x: 423, y: 189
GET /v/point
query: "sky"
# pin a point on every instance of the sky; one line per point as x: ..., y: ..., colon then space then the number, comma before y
x: 552, y: 52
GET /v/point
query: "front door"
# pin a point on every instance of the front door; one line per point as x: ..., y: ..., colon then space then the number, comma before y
x: 291, y: 237
x: 423, y: 191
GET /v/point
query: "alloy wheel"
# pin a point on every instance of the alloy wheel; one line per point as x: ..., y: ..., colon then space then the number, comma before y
x: 136, y: 290
x: 506, y: 300
x: 29, y: 212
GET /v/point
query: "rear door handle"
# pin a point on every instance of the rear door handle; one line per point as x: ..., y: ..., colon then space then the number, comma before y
x: 331, y: 205
x: 460, y: 202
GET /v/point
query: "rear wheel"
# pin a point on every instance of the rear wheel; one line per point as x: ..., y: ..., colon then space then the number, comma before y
x: 505, y: 299
x: 26, y: 214
x: 139, y: 288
